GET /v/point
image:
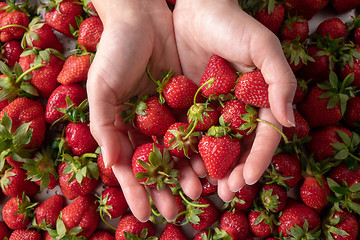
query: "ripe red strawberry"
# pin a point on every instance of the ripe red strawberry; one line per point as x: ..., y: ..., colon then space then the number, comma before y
x: 218, y: 151
x: 295, y: 53
x: 204, y: 234
x: 29, y: 234
x: 295, y: 26
x: 332, y: 27
x: 47, y: 212
x: 153, y: 166
x: 17, y: 212
x: 62, y: 15
x: 107, y: 175
x: 81, y: 213
x: 11, y: 52
x: 43, y: 78
x: 207, y: 187
x: 102, y: 235
x: 58, y: 101
x: 352, y: 66
x: 172, y: 232
x: 4, y: 231
x: 352, y: 114
x: 75, y: 68
x: 245, y: 197
x: 223, y: 78
x: 24, y: 110
x: 271, y: 16
x: 40, y: 35
x: 342, y: 6
x: 129, y: 224
x: 252, y: 89
x: 301, y: 128
x: 207, y: 215
x: 177, y: 144
x: 297, y: 214
x: 151, y: 118
x: 112, y: 203
x: 14, y: 183
x: 261, y: 223
x: 90, y: 31
x: 306, y: 8
x: 340, y: 225
x: 203, y: 115
x: 342, y: 173
x: 273, y: 197
x: 15, y: 17
x: 89, y: 8
x: 79, y: 138
x: 78, y: 176
x: 235, y: 224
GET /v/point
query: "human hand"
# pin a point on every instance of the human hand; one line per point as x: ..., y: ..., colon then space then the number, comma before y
x: 220, y: 27
x: 134, y: 33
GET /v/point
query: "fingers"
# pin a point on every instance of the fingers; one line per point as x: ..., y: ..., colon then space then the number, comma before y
x: 224, y: 191
x: 165, y: 202
x: 189, y: 180
x: 198, y: 165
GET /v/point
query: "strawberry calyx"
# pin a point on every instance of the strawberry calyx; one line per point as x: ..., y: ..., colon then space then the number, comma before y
x: 274, y: 176
x: 160, y: 83
x: 81, y: 166
x: 312, y: 168
x: 21, y: 6
x: 73, y: 113
x: 269, y: 200
x: 61, y: 232
x: 297, y: 232
x: 220, y: 234
x: 346, y: 150
x: 253, y: 7
x: 250, y: 119
x: 222, y: 130
x: 184, y: 139
x: 159, y: 170
x: 329, y: 225
x: 143, y: 235
x: 30, y: 35
x: 137, y: 107
x: 295, y: 51
x: 104, y: 208
x: 42, y: 55
x: 25, y: 206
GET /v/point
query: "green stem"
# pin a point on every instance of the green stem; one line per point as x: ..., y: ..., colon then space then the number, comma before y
x: 14, y: 25
x: 206, y: 83
x: 149, y: 74
x: 102, y: 218
x: 276, y: 128
x: 28, y: 71
x: 181, y: 193
x: 194, y: 123
x: 353, y: 156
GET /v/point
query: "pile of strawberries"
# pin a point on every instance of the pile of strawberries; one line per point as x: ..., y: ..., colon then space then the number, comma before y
x: 311, y: 190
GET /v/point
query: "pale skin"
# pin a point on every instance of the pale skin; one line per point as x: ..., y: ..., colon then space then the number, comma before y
x: 183, y: 40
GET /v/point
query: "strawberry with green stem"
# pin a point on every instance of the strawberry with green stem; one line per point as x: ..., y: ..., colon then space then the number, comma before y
x: 47, y: 212
x: 129, y: 227
x: 61, y: 231
x: 201, y: 213
x: 295, y: 53
x: 295, y: 27
x: 14, y: 183
x: 232, y: 225
x: 261, y: 222
x: 270, y: 13
x: 273, y: 197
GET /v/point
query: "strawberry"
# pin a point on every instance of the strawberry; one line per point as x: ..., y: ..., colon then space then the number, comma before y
x: 180, y: 142
x: 342, y: 173
x: 273, y: 197
x: 40, y: 35
x: 252, y: 89
x: 301, y: 90
x: 8, y: 20
x: 296, y: 54
x: 112, y: 203
x: 204, y: 234
x: 352, y: 114
x: 340, y: 225
x: 218, y: 78
x: 332, y: 27
x: 202, y: 214
x: 149, y: 116
x: 17, y: 212
x: 153, y: 166
x: 89, y: 8
x: 4, y: 231
x: 306, y: 8
x: 342, y: 6
x: 3, y: 7
x: 172, y: 232
x: 207, y: 187
x: 25, y: 234
x: 352, y: 65
x: 203, y: 116
x: 90, y: 31
x: 102, y: 235
x: 295, y: 26
x: 235, y: 224
x: 61, y: 15
x: 61, y: 100
x: 245, y: 197
x: 301, y: 128
x: 218, y: 151
x: 79, y: 138
x: 78, y: 176
x: 129, y: 226
x: 261, y: 223
x: 271, y: 16
x: 11, y: 52
x: 107, y: 175
x: 44, y: 77
x: 47, y: 212
x: 75, y: 68
x: 81, y: 213
x: 14, y: 183
x: 298, y: 214
x: 24, y: 110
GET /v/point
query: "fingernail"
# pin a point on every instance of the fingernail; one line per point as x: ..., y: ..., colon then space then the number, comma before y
x: 103, y: 153
x: 290, y: 114
x: 235, y: 191
x: 250, y: 183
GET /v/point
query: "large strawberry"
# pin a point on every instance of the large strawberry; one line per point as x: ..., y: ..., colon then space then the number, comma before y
x: 78, y: 175
x: 129, y: 226
x: 47, y: 212
x: 332, y: 27
x: 218, y: 151
x: 261, y: 222
x: 153, y: 166
x: 235, y: 224
x: 11, y: 52
x: 252, y: 89
x: 218, y: 78
x: 81, y: 213
x: 25, y: 234
x: 61, y: 15
x: 14, y: 183
x: 90, y: 31
x: 79, y: 138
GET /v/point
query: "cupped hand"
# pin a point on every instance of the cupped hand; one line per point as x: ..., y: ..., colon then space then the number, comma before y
x: 206, y: 27
x: 135, y: 32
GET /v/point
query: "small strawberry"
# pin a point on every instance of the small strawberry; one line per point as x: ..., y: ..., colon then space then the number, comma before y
x: 332, y: 27
x: 25, y: 234
x: 90, y: 31
x: 107, y: 175
x: 61, y: 15
x: 47, y: 212
x: 78, y: 176
x: 172, y: 232
x: 11, y: 52
x: 252, y: 89
x: 202, y: 214
x: 153, y: 166
x: 101, y: 235
x: 129, y: 226
x: 14, y: 183
x: 112, y: 203
x: 273, y: 197
x: 79, y: 138
x: 207, y: 187
x: 75, y: 68
x: 293, y: 27
x: 271, y: 14
x: 234, y: 225
x: 218, y: 78
x: 17, y: 212
x: 203, y: 116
